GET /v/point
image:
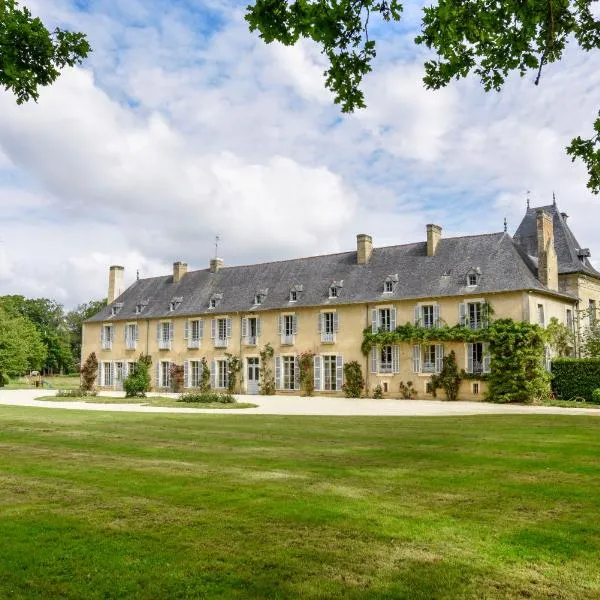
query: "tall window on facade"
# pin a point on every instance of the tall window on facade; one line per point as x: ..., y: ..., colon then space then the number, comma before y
x: 478, y: 358
x: 289, y: 372
x: 541, y: 318
x: 131, y: 335
x: 107, y: 337
x: 293, y: 295
x: 328, y: 326
x: 385, y: 359
x: 164, y: 379
x: 250, y: 330
x: 164, y: 335
x: 592, y: 311
x: 222, y: 374
x: 287, y: 328
x: 221, y: 331
x: 388, y: 287
x: 570, y: 319
x: 108, y: 374
x: 429, y: 358
x: 473, y: 314
x: 330, y: 373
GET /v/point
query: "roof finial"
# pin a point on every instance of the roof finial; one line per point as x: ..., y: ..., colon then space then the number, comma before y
x: 553, y: 198
x: 137, y: 275
x: 217, y: 240
x: 528, y: 192
x: 505, y: 225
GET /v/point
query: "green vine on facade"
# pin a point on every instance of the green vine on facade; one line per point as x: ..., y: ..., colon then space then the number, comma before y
x: 234, y: 366
x: 307, y: 374
x: 265, y: 371
x: 354, y: 381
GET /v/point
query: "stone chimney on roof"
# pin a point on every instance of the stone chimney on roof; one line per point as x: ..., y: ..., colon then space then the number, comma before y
x: 434, y: 235
x: 364, y: 248
x: 216, y: 264
x: 547, y: 260
x: 115, y: 282
x: 179, y: 270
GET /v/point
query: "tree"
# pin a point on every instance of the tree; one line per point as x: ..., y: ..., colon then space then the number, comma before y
x: 31, y: 55
x: 21, y: 348
x: 591, y: 340
x: 74, y: 320
x: 137, y: 383
x: 560, y: 337
x: 488, y: 38
x: 89, y: 372
x: 448, y: 378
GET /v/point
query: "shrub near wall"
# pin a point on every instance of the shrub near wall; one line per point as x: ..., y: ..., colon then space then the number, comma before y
x: 575, y: 378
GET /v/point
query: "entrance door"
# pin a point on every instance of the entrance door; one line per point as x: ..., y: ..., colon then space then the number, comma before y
x: 253, y: 375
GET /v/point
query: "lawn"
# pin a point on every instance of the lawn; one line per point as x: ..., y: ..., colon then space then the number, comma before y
x: 56, y: 382
x: 105, y: 505
x: 149, y: 401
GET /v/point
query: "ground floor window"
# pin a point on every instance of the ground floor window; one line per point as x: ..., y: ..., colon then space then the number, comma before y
x: 330, y: 373
x: 119, y: 373
x: 221, y: 374
x: 164, y: 374
x: 478, y: 358
x: 131, y: 366
x: 195, y: 373
x: 385, y: 359
x: 289, y: 372
x: 108, y: 374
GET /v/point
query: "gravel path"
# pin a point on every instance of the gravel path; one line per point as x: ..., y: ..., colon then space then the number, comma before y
x: 296, y: 405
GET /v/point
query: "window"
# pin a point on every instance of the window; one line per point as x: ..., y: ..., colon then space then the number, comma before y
x: 257, y: 299
x: 476, y: 388
x: 195, y: 329
x: 107, y: 337
x: 473, y: 314
x: 330, y: 373
x: 138, y: 309
x: 164, y: 374
x: 592, y: 312
x: 131, y: 336
x: 570, y: 319
x: 131, y: 367
x: 287, y: 328
x: 328, y: 326
x: 385, y: 359
x: 222, y: 329
x: 289, y: 372
x: 333, y: 292
x: 429, y: 356
x: 195, y: 373
x: 478, y: 358
x: 221, y: 374
x: 293, y: 295
x: 385, y: 319
x: 427, y: 315
x: 212, y: 303
x: 471, y: 279
x: 385, y: 388
x: 172, y: 306
x: 165, y: 335
x: 108, y: 375
x: 250, y: 330
x: 119, y: 373
x: 540, y: 312
x: 388, y: 287
x: 193, y: 333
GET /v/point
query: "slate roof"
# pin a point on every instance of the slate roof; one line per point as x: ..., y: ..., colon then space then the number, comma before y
x: 503, y: 266
x: 565, y: 243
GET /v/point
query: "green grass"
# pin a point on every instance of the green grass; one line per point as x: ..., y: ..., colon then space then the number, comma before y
x: 149, y: 401
x: 104, y: 505
x: 62, y: 382
x: 571, y: 404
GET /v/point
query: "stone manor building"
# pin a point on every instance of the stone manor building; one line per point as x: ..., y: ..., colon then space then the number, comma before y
x: 322, y: 304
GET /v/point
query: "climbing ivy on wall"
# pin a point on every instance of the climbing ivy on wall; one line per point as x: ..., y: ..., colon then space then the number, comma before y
x: 265, y: 372
x: 516, y: 348
x: 307, y: 375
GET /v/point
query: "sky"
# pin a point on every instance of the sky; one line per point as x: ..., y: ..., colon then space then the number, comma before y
x: 183, y: 125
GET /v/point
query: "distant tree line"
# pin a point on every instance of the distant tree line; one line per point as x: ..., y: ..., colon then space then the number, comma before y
x: 36, y: 334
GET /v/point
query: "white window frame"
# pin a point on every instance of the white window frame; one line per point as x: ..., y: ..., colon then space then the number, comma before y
x: 293, y: 296
x: 193, y: 333
x: 471, y: 277
x: 388, y: 284
x: 541, y: 315
x: 108, y: 375
x: 165, y: 337
x: 333, y: 292
x: 377, y: 320
x: 194, y: 373
x: 131, y: 336
x: 221, y: 330
x: 328, y: 326
x: 477, y: 367
x: 569, y: 322
x: 289, y: 372
x: 107, y: 340
x: 465, y: 319
x: 164, y: 374
x: 288, y: 323
x: 248, y: 325
x: 387, y: 365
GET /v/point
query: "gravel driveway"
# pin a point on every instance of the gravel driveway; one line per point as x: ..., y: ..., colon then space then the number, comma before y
x: 296, y: 405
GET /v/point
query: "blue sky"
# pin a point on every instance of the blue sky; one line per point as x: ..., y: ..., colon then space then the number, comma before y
x: 183, y: 124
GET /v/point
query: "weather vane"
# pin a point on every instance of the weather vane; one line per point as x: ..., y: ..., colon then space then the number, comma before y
x: 505, y: 225
x: 217, y: 239
x: 528, y: 192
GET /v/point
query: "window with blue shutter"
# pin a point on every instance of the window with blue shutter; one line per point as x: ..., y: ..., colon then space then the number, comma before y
x: 339, y: 372
x: 317, y: 372
x: 395, y: 359
x: 278, y: 372
x: 374, y: 353
x: 416, y: 358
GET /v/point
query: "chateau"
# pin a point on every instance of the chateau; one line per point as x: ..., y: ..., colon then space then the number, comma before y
x: 322, y: 304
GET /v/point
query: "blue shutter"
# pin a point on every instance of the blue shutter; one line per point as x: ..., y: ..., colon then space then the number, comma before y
x: 228, y: 326
x: 157, y: 382
x: 486, y: 357
x: 317, y: 371
x: 100, y: 382
x: 469, y: 358
x: 158, y: 332
x: 137, y: 332
x: 339, y: 372
x: 436, y: 315
x: 416, y: 358
x: 439, y: 358
x: 374, y: 325
x: 462, y: 313
x: 171, y: 331
x: 336, y: 321
x: 278, y: 372
x: 186, y: 329
x: 200, y: 328
x: 213, y: 328
x: 258, y: 326
x: 374, y: 351
x: 244, y: 327
x: 294, y: 324
x: 280, y: 324
x: 392, y: 319
x: 320, y: 318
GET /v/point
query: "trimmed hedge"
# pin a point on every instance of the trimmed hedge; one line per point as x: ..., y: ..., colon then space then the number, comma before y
x: 576, y: 378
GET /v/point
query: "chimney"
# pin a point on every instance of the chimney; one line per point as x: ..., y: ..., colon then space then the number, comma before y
x: 364, y: 248
x: 179, y: 270
x: 216, y: 264
x: 547, y: 261
x: 434, y: 235
x: 115, y: 282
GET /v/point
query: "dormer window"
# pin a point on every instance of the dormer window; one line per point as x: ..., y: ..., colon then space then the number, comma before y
x: 473, y: 277
x: 175, y: 302
x: 389, y: 283
x: 214, y: 300
x: 140, y: 306
x: 295, y: 291
x: 260, y: 295
x: 114, y: 311
x: 334, y: 289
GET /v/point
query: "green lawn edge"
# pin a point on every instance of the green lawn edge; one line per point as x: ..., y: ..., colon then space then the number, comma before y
x: 163, y: 401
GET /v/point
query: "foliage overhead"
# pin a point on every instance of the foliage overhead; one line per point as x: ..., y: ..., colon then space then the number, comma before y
x: 486, y: 38
x: 32, y: 56
x: 576, y: 378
